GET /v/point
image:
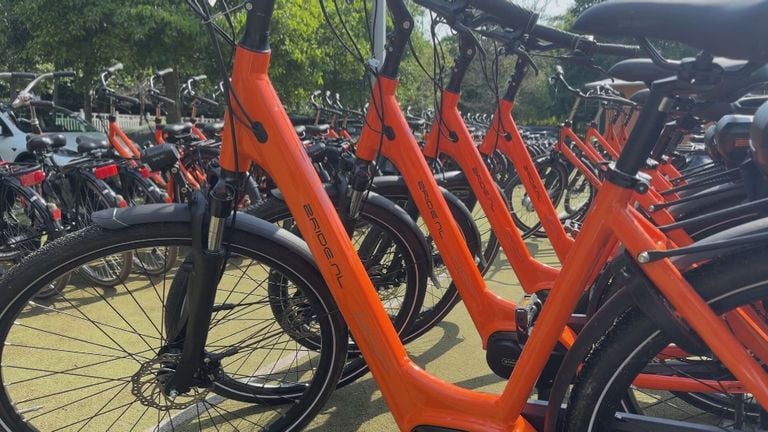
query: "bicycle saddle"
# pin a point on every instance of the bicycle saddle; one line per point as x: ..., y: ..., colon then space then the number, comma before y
x: 300, y: 130
x: 313, y: 130
x: 642, y: 69
x: 732, y: 138
x: 175, y: 133
x: 213, y: 129
x: 44, y: 143
x: 87, y: 144
x: 734, y: 28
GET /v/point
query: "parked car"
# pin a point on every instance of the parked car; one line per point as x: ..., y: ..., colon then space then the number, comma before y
x: 15, y: 126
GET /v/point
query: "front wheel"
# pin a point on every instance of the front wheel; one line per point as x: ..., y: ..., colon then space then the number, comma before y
x: 100, y: 357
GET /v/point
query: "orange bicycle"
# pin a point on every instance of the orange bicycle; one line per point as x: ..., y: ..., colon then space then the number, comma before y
x: 279, y: 341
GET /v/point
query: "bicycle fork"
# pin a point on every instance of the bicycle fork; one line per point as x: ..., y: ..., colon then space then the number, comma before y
x: 208, y: 256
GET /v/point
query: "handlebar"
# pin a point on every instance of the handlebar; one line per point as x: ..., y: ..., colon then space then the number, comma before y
x: 156, y: 75
x: 17, y: 75
x: 64, y: 74
x: 559, y: 76
x: 25, y: 96
x: 507, y: 13
x: 127, y: 99
x: 164, y: 72
x: 42, y: 103
x: 155, y: 95
x: 114, y: 68
x: 206, y: 101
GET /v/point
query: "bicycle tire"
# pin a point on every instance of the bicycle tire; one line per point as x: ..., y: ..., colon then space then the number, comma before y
x: 438, y: 301
x: 144, y: 307
x: 138, y: 190
x: 395, y: 224
x: 42, y: 227
x: 521, y: 208
x: 633, y: 342
x: 93, y: 196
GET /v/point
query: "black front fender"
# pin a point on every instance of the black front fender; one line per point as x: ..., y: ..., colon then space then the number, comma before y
x: 116, y: 219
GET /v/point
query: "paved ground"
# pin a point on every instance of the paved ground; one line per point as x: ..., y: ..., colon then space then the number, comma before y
x: 451, y: 351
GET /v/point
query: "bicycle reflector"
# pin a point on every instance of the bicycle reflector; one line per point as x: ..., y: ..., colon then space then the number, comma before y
x: 105, y: 171
x: 121, y: 202
x: 55, y: 211
x: 32, y: 178
x: 144, y: 171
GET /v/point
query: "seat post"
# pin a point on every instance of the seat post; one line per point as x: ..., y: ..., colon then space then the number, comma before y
x: 649, y: 126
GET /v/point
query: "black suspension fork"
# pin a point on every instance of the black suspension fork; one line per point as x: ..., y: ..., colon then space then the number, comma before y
x: 208, y: 255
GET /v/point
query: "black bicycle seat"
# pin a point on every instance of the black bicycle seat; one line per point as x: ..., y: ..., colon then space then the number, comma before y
x: 44, y: 143
x: 87, y: 144
x: 638, y: 70
x: 734, y: 28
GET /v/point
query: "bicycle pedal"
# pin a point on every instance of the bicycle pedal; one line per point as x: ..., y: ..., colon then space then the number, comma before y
x: 572, y: 227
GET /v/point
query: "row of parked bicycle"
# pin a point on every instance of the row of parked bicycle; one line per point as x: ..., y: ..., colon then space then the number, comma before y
x: 655, y: 320
x: 54, y: 185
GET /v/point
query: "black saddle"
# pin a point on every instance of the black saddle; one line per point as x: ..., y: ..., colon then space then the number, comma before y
x: 733, y: 28
x: 213, y: 129
x: 314, y: 130
x: 638, y: 70
x: 44, y: 143
x: 176, y: 132
x: 87, y: 144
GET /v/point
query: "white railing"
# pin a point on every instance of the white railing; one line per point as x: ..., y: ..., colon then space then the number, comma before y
x: 129, y: 122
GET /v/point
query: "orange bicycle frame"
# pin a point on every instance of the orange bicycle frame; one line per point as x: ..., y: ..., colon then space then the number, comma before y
x: 415, y: 397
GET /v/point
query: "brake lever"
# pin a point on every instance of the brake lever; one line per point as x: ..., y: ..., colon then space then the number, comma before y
x: 521, y: 52
x: 585, y: 62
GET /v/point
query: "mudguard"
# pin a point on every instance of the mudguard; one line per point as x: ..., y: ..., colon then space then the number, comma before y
x: 115, y: 219
x: 377, y: 200
x: 601, y: 321
x: 383, y: 182
x: 710, y: 198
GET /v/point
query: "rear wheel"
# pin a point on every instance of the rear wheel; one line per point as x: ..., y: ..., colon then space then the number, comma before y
x: 137, y: 190
x: 113, y: 270
x: 441, y: 295
x: 25, y: 225
x: 393, y: 254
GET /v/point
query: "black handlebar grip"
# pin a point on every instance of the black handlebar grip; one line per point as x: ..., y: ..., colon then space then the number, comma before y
x: 42, y: 103
x: 627, y: 51
x: 558, y: 37
x: 23, y: 75
x: 128, y: 99
x: 163, y: 72
x: 207, y: 101
x: 507, y: 13
x: 163, y: 99
x: 63, y: 74
x: 115, y: 68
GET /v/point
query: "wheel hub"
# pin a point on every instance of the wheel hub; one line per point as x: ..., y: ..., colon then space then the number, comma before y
x: 148, y: 385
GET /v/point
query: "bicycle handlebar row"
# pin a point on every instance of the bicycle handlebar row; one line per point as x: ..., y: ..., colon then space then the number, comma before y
x: 510, y: 15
